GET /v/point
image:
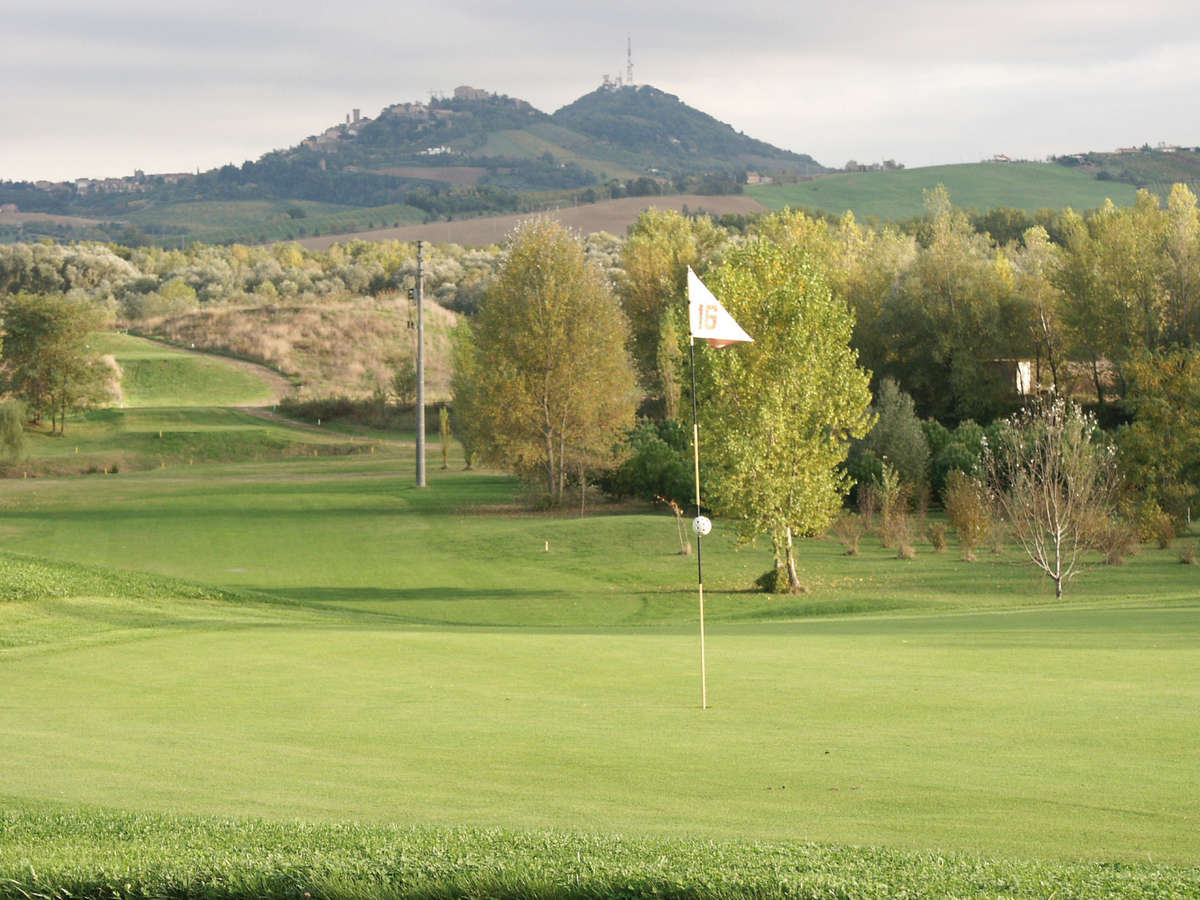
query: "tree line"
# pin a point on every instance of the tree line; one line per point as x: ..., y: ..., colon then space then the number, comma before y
x: 938, y: 320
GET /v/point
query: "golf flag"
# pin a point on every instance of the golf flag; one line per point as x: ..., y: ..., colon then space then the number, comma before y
x: 710, y: 321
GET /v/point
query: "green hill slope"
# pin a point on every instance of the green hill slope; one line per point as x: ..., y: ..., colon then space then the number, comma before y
x: 979, y: 186
x: 153, y: 374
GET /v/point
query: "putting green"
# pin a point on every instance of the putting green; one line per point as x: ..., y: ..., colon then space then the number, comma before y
x: 1065, y: 733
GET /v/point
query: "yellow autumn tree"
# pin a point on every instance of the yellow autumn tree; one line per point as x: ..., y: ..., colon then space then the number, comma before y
x: 551, y: 384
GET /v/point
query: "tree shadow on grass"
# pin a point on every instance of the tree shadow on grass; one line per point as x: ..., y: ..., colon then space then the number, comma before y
x: 418, y: 605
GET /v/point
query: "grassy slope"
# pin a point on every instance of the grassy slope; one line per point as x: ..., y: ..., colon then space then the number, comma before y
x: 175, y: 410
x: 980, y: 186
x: 157, y: 375
x: 346, y: 347
x: 981, y: 720
x: 529, y: 144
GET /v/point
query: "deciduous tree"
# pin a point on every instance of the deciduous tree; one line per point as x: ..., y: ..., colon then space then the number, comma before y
x: 1055, y: 478
x: 553, y: 386
x: 48, y: 362
x: 1160, y: 449
x: 778, y: 414
x: 661, y: 246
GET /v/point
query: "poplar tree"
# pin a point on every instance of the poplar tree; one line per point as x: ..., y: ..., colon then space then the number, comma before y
x: 552, y: 387
x: 778, y: 414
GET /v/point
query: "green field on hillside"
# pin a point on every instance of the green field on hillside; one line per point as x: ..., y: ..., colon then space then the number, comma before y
x: 526, y: 144
x: 977, y: 186
x: 254, y: 221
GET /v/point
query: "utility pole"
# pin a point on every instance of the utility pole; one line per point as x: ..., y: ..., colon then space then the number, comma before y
x: 420, y: 372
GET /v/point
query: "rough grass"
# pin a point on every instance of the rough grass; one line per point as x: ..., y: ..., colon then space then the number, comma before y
x: 979, y: 186
x: 50, y: 854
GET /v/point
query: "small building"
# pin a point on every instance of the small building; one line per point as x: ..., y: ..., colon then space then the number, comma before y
x: 465, y: 92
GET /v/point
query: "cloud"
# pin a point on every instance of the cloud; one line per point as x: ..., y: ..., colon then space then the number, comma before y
x: 932, y: 81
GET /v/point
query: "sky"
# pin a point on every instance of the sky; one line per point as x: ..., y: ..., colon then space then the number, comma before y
x: 99, y: 90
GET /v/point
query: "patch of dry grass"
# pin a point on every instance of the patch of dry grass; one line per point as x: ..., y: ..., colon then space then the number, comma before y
x: 350, y: 347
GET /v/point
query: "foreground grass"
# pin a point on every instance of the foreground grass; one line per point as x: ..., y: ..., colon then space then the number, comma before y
x: 113, y: 855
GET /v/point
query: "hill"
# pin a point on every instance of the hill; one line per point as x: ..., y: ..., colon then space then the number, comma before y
x: 659, y: 130
x: 1153, y: 168
x: 476, y: 153
x: 979, y: 186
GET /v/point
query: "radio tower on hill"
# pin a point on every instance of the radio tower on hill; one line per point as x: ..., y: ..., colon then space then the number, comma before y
x: 629, y: 60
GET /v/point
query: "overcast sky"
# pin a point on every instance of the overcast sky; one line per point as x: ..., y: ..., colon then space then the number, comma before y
x: 96, y: 90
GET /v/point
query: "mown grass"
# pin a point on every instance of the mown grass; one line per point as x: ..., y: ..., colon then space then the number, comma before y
x: 154, y: 374
x: 379, y: 653
x: 111, y: 441
x: 52, y: 854
x: 979, y: 186
x: 56, y: 604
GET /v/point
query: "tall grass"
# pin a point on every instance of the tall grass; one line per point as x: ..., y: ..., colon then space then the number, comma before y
x: 61, y: 855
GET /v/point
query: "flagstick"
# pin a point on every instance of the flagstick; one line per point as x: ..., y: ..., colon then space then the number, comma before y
x: 699, y: 554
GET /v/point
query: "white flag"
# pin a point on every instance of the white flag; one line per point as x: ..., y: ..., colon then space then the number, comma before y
x: 709, y: 319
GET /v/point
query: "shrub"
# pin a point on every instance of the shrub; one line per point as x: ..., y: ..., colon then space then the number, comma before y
x: 906, y: 551
x: 1187, y: 555
x: 937, y: 536
x: 865, y: 468
x: 893, y: 508
x: 657, y: 466
x: 969, y: 509
x: 1117, y: 540
x: 848, y: 528
x: 868, y: 506
x: 954, y: 457
x: 773, y: 581
x: 1164, y: 532
x: 997, y: 536
x: 1154, y: 525
x: 898, y: 436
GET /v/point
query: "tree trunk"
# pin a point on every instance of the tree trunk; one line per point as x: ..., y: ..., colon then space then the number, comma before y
x: 1096, y: 379
x: 551, y: 477
x: 793, y: 578
x: 582, y: 490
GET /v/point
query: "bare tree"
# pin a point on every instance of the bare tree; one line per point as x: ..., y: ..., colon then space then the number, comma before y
x: 1055, y: 479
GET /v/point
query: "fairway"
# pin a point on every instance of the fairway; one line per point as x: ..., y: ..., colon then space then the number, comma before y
x: 316, y: 639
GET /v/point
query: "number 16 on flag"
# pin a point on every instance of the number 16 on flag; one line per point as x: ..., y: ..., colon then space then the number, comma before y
x: 709, y: 319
